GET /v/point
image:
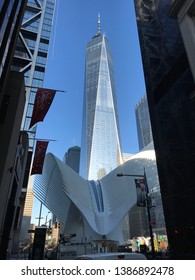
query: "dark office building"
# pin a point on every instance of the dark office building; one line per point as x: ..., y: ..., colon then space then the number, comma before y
x: 170, y: 92
x: 13, y: 143
x: 11, y: 13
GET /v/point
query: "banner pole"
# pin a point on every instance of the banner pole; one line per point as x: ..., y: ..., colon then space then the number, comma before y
x: 46, y: 88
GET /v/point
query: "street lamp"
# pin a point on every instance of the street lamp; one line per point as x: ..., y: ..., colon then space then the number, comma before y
x: 130, y: 175
x: 147, y: 206
x: 40, y: 218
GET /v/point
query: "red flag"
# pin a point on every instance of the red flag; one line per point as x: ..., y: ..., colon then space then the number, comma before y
x: 39, y: 157
x: 43, y: 100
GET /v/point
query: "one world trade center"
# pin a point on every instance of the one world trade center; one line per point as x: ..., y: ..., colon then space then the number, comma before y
x: 100, y: 147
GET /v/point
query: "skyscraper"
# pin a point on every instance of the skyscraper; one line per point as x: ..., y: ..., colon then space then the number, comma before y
x: 72, y: 158
x: 144, y: 130
x: 12, y: 100
x: 100, y: 147
x: 170, y: 92
x: 11, y: 13
x: 25, y: 28
x: 30, y: 59
x: 31, y: 53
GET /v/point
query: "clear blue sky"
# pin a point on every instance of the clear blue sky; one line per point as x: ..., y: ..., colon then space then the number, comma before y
x: 74, y: 24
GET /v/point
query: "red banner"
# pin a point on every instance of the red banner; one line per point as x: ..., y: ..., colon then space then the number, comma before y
x: 39, y: 157
x: 43, y: 100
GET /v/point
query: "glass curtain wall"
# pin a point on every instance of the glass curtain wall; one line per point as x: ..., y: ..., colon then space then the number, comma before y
x: 144, y: 130
x: 100, y: 151
x: 31, y: 53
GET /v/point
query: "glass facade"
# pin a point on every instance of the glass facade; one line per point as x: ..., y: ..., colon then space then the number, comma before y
x: 72, y: 158
x: 170, y: 92
x: 10, y: 18
x: 31, y: 53
x: 144, y: 130
x: 100, y: 150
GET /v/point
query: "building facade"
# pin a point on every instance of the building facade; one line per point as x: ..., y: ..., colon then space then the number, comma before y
x: 25, y: 236
x: 72, y: 158
x: 100, y: 146
x: 184, y: 11
x: 30, y: 59
x: 144, y: 130
x: 13, y: 143
x: 138, y: 222
x: 11, y: 13
x: 170, y: 92
x: 31, y: 53
x: 13, y: 158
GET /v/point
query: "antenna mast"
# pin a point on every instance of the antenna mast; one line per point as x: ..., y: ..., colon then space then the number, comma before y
x: 99, y: 30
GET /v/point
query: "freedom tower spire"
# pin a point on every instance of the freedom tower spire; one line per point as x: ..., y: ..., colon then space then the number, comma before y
x: 100, y: 147
x: 99, y: 28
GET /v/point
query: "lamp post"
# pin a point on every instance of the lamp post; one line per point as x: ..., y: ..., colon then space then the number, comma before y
x: 40, y: 218
x: 46, y: 218
x: 147, y: 206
